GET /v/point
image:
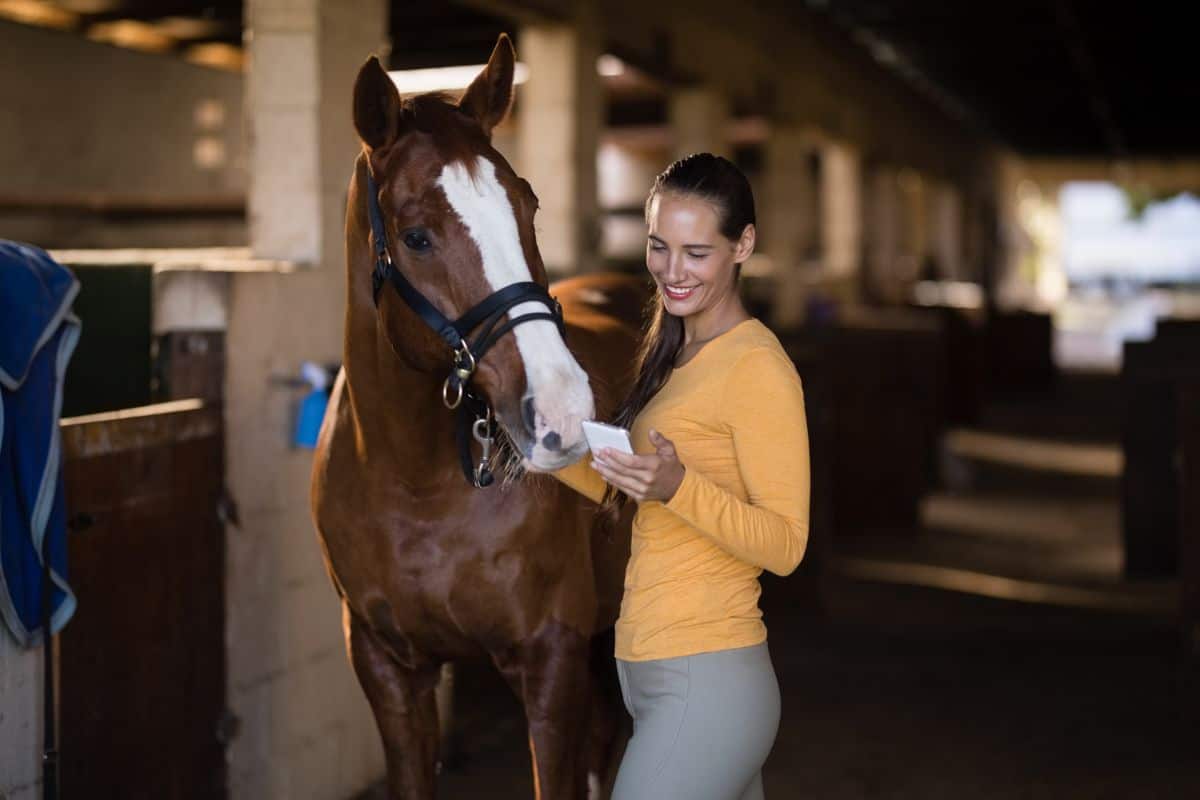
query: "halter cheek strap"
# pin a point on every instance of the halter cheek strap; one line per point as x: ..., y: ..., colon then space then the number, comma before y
x: 486, y: 316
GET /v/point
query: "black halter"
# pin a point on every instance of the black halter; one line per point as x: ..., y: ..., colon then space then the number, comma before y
x: 487, y: 316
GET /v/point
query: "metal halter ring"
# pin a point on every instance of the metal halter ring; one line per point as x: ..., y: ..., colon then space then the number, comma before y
x: 464, y: 362
x: 452, y: 404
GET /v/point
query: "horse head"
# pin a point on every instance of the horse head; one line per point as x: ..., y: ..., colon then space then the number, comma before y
x: 458, y: 223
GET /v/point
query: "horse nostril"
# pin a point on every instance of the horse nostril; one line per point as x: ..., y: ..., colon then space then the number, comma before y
x: 529, y: 415
x: 552, y: 441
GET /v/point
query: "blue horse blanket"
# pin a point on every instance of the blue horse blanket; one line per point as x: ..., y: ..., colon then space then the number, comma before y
x: 38, y: 333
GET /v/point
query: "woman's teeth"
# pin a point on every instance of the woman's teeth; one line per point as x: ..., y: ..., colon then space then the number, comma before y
x: 678, y: 292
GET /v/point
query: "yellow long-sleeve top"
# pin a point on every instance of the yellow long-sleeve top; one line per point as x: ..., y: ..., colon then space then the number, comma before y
x: 735, y: 413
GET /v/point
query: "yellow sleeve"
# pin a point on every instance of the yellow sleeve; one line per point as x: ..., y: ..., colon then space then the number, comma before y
x: 582, y: 478
x: 764, y: 407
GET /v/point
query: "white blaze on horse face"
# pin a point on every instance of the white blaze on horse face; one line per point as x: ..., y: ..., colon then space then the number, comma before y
x: 559, y: 386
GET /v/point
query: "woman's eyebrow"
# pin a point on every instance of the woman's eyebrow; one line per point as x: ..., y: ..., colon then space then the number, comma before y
x: 686, y: 246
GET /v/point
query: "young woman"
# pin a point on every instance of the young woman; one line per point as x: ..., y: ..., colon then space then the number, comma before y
x: 721, y: 478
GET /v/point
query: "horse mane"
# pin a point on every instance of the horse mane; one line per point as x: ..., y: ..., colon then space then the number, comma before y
x: 455, y: 134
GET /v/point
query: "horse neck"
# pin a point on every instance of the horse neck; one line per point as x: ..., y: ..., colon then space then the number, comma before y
x: 401, y: 424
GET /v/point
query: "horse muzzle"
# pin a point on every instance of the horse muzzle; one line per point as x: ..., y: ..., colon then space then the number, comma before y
x: 552, y: 441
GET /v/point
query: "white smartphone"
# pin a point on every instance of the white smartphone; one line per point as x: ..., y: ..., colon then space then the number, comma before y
x: 600, y: 435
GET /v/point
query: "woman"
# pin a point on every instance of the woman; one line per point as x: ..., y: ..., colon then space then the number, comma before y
x: 721, y: 479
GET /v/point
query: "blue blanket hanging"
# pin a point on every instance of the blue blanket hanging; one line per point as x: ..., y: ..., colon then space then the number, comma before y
x: 38, y: 334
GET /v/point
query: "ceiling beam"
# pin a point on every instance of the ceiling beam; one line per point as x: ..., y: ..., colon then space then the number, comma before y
x: 1085, y: 67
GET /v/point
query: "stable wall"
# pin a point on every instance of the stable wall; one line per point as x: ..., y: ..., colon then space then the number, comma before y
x: 20, y: 720
x: 83, y: 118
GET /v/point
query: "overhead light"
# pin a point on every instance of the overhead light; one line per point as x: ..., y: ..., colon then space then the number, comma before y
x: 217, y: 55
x: 89, y: 6
x: 610, y: 66
x: 131, y: 34
x: 35, y: 12
x: 415, y: 81
x: 190, y: 27
x: 209, y: 115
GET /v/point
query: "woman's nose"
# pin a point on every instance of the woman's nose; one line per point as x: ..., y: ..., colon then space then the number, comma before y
x: 675, y: 271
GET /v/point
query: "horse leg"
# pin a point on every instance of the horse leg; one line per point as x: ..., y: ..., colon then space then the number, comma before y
x: 405, y: 709
x: 608, y: 726
x: 550, y: 675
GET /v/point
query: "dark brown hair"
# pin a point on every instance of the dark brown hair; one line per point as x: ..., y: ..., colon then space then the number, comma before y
x: 717, y: 181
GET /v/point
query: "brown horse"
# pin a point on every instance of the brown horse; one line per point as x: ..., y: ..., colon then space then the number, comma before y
x: 429, y: 568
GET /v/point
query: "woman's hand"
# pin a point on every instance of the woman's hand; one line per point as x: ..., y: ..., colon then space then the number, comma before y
x: 647, y: 477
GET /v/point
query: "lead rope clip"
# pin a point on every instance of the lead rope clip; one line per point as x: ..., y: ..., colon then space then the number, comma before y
x: 482, y: 431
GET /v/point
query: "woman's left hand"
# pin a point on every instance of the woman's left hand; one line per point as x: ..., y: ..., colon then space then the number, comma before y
x: 655, y: 476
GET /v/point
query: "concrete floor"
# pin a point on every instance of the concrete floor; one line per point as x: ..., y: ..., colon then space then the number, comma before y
x: 906, y: 692
x: 995, y: 653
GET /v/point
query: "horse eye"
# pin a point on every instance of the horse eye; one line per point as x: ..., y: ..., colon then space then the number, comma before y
x: 417, y: 240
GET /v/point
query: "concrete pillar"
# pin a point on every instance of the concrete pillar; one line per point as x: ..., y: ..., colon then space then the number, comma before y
x: 911, y: 233
x: 882, y: 230
x: 283, y: 620
x: 559, y: 115
x: 946, y: 218
x: 699, y: 118
x: 21, y: 719
x: 841, y: 213
x: 282, y: 102
x: 788, y: 218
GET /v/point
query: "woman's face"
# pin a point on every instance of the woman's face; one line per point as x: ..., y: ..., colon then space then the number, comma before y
x: 688, y: 257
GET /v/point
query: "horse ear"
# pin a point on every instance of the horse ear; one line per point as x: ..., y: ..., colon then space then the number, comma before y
x: 376, y: 105
x: 488, y: 97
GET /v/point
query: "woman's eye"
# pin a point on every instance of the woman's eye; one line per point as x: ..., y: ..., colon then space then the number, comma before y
x: 654, y: 246
x: 417, y: 240
x: 697, y: 256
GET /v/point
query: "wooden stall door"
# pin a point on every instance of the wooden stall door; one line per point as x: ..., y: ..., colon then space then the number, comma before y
x: 142, y: 664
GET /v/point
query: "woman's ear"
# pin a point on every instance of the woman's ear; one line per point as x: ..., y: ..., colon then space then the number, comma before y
x: 744, y: 246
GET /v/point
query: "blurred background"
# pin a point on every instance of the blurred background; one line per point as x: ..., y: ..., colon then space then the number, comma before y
x: 979, y: 231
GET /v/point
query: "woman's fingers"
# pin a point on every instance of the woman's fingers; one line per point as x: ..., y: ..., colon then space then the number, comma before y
x: 633, y: 482
x: 641, y: 466
x: 628, y: 460
x: 635, y: 471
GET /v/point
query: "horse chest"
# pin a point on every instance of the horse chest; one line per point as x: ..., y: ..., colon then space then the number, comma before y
x: 448, y: 585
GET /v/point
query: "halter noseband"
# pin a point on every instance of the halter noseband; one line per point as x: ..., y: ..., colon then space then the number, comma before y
x: 487, y: 316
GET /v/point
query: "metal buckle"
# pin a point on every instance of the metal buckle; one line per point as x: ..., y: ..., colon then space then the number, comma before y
x: 464, y: 371
x: 464, y: 368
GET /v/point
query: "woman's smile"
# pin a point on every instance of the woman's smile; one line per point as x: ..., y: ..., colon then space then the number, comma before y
x: 678, y: 292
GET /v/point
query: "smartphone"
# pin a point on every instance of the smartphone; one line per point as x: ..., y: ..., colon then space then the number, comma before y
x: 600, y: 435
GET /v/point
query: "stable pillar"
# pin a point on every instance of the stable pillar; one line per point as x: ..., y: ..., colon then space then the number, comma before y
x: 559, y: 115
x: 283, y: 621
x: 841, y: 217
x: 946, y: 231
x: 789, y: 232
x: 881, y: 232
x: 699, y: 118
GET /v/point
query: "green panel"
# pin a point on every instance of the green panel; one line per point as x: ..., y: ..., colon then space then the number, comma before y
x: 111, y: 366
